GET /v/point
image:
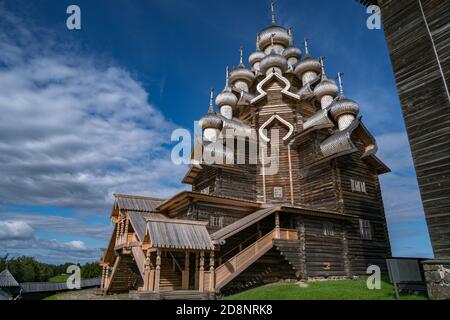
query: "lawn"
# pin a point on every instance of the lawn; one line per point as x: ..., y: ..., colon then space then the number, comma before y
x: 326, y: 290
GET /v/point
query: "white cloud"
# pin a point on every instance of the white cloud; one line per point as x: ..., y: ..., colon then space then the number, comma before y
x: 73, y: 130
x: 15, y: 230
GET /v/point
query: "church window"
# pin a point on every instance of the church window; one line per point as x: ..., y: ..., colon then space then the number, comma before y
x: 366, y: 229
x: 358, y: 186
x: 216, y: 222
x: 328, y: 230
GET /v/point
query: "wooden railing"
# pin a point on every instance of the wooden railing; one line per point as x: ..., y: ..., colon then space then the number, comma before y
x: 237, y: 264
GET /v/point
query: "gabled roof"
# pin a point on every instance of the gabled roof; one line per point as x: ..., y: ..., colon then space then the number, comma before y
x: 7, y: 280
x: 178, y: 234
x: 137, y: 203
x: 139, y: 222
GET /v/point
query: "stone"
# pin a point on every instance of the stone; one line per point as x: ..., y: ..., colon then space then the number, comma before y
x: 433, y: 276
x: 303, y: 285
x: 439, y: 291
x: 430, y: 267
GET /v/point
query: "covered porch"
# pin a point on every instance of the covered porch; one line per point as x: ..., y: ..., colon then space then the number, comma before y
x: 179, y: 256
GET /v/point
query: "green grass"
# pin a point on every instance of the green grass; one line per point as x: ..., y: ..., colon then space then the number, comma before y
x: 60, y: 278
x: 54, y: 297
x: 326, y: 290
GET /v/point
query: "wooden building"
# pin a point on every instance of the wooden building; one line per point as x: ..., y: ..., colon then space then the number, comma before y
x: 418, y: 37
x: 319, y: 214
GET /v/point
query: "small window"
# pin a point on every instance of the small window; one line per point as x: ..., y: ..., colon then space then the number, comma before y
x: 358, y: 186
x: 216, y: 222
x: 205, y: 191
x: 278, y: 192
x: 328, y: 230
x: 366, y: 229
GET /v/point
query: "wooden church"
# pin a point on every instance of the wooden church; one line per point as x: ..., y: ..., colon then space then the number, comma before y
x: 318, y: 215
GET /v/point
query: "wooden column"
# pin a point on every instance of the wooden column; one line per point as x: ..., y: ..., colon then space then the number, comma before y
x: 125, y: 231
x: 149, y: 277
x: 117, y: 232
x: 345, y: 252
x: 102, y: 285
x: 185, y: 273
x: 277, y: 225
x: 196, y: 271
x: 291, y: 183
x: 201, y: 280
x: 212, y: 285
x: 158, y: 270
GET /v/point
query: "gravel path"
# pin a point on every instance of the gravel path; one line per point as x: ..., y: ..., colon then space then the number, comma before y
x: 90, y: 294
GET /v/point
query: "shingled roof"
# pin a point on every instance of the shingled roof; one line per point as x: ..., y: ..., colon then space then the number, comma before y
x: 179, y: 234
x: 7, y: 280
x: 139, y: 222
x: 137, y: 203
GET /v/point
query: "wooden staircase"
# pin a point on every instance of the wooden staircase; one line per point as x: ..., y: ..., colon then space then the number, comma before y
x: 125, y: 275
x: 291, y: 251
x: 169, y: 280
x: 237, y: 264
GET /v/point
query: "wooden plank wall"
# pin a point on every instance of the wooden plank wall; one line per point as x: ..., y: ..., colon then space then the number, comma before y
x: 424, y: 101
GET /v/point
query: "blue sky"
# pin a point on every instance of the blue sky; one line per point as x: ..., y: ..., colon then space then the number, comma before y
x: 89, y: 113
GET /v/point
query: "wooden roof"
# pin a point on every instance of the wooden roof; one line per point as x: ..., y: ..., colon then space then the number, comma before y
x: 7, y: 280
x: 137, y: 203
x: 139, y: 222
x: 186, y: 196
x: 178, y: 235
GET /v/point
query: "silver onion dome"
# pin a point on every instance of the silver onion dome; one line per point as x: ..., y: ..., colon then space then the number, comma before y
x: 308, y: 64
x: 273, y: 60
x: 281, y: 36
x: 292, y: 52
x: 226, y: 98
x: 326, y: 87
x: 343, y: 106
x: 256, y: 57
x: 211, y: 121
x: 243, y: 74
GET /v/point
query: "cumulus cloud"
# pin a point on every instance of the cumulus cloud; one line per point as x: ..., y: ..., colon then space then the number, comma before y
x: 15, y: 230
x: 74, y: 131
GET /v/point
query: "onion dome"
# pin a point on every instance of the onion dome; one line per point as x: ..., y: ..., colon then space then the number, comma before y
x: 226, y: 98
x: 308, y: 64
x: 281, y: 37
x: 273, y: 60
x: 326, y: 87
x: 211, y: 120
x: 256, y: 57
x: 292, y: 52
x: 342, y: 105
x: 241, y: 73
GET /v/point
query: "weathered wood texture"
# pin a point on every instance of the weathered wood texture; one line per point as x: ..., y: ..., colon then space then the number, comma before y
x: 424, y: 101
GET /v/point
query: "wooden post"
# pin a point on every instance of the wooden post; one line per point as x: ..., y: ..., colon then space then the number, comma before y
x: 185, y: 273
x: 125, y: 232
x: 196, y: 271
x: 106, y: 277
x: 277, y: 225
x: 149, y: 273
x: 201, y: 282
x: 158, y: 270
x: 212, y: 285
x: 102, y: 286
x: 291, y: 186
